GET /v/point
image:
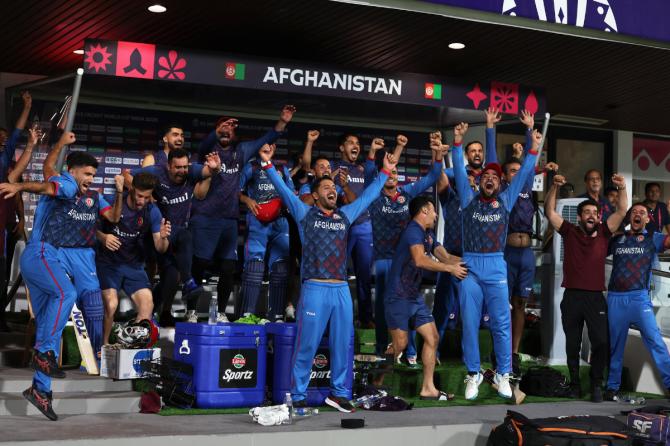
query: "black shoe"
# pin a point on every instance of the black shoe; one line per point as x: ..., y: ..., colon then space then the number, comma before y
x: 339, y: 403
x: 611, y: 395
x: 47, y: 364
x: 300, y: 403
x: 596, y: 394
x: 41, y: 400
x: 575, y: 391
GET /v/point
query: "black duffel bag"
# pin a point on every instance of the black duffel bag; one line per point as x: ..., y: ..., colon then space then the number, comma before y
x: 577, y: 430
x: 545, y: 381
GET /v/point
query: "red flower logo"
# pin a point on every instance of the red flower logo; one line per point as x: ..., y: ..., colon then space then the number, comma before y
x: 172, y: 67
x: 505, y: 97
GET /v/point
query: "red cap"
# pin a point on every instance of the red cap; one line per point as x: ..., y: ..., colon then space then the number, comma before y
x: 268, y: 212
x: 495, y: 167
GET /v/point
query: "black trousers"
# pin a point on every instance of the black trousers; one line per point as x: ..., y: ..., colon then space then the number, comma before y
x: 577, y: 307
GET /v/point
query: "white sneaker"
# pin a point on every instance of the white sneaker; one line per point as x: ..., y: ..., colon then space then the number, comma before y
x: 472, y: 383
x: 192, y: 316
x: 289, y: 313
x: 221, y: 317
x: 504, y: 388
x: 411, y: 360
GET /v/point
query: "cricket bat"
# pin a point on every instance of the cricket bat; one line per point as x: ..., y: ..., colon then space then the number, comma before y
x: 517, y: 395
x: 84, y: 342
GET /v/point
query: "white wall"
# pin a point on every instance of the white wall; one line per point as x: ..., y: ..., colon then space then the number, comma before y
x: 9, y: 80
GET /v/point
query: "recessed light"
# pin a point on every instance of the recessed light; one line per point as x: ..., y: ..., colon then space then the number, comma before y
x: 456, y: 46
x: 157, y: 8
x: 78, y: 51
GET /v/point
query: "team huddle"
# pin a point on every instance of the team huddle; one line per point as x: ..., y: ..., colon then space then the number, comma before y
x: 177, y: 216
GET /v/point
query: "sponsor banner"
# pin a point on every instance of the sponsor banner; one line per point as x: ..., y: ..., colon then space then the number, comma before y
x: 646, y: 19
x: 148, y: 61
x: 238, y: 368
x: 320, y: 373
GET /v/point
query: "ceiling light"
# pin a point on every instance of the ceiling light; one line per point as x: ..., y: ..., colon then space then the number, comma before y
x: 456, y: 46
x: 78, y: 51
x: 157, y: 8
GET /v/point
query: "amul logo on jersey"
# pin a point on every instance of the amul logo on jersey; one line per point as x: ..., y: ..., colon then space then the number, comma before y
x: 320, y: 362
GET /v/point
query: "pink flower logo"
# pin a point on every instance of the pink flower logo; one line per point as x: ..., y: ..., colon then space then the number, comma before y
x: 171, y: 67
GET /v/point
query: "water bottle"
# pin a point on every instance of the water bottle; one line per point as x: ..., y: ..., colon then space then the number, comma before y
x: 288, y: 401
x: 213, y: 309
x: 367, y: 401
x: 305, y: 411
x: 630, y: 399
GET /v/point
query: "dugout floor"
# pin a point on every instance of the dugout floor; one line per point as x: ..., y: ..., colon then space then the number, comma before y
x: 460, y: 425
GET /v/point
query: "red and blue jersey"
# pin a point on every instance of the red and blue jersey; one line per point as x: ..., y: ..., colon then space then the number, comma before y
x: 633, y: 257
x: 485, y: 221
x: 521, y: 217
x: 405, y: 276
x: 132, y: 230
x: 390, y: 214
x: 222, y: 199
x: 160, y: 158
x: 258, y: 186
x: 174, y: 200
x: 324, y: 235
x: 453, y: 225
x: 74, y: 216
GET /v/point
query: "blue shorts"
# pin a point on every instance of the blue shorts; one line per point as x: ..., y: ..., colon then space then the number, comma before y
x: 520, y: 271
x: 129, y: 278
x: 214, y: 238
x: 406, y: 314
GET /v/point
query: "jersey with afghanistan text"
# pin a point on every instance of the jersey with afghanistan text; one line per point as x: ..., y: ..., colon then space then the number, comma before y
x: 73, y: 221
x: 328, y: 232
x: 634, y: 256
x: 257, y: 184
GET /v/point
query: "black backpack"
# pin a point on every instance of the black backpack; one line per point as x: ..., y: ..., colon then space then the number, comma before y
x: 578, y: 430
x: 544, y: 381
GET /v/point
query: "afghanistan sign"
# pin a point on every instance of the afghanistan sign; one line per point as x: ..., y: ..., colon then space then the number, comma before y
x: 147, y: 61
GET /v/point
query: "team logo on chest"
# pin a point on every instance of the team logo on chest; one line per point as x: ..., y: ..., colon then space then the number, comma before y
x: 401, y: 199
x: 336, y: 217
x: 495, y: 204
x: 640, y: 238
x: 140, y: 220
x: 89, y: 201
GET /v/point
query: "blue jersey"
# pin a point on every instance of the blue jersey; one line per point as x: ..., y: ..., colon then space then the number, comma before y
x: 222, y: 199
x: 405, y: 276
x: 634, y: 255
x: 324, y: 236
x: 74, y: 216
x: 64, y: 186
x: 7, y: 153
x: 258, y: 186
x: 132, y: 230
x: 174, y: 200
x: 390, y: 214
x: 356, y: 177
x: 160, y: 158
x: 453, y: 225
x: 485, y: 221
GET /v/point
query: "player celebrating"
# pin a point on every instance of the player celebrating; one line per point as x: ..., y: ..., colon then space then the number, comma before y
x: 65, y: 220
x: 628, y: 302
x: 120, y: 259
x: 325, y: 297
x: 173, y: 138
x: 214, y: 221
x: 405, y: 307
x: 389, y: 214
x: 176, y: 183
x: 267, y: 230
x: 485, y: 221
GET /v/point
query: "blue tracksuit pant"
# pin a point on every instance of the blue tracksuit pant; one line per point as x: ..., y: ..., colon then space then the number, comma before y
x: 262, y: 236
x: 624, y: 309
x: 382, y: 268
x: 486, y: 283
x: 52, y: 295
x: 322, y: 303
x: 360, y: 248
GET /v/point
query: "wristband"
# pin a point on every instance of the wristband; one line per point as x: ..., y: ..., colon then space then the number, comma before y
x: 385, y: 172
x: 266, y: 164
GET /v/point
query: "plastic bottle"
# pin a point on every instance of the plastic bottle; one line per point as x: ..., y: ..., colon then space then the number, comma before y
x: 213, y: 309
x: 305, y: 411
x: 288, y: 401
x: 633, y: 400
x: 367, y: 401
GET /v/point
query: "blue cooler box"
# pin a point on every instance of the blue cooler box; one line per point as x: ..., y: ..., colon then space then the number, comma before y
x: 228, y: 362
x: 281, y: 336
